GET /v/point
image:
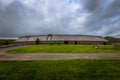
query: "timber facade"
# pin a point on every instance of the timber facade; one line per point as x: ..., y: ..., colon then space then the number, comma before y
x: 66, y: 39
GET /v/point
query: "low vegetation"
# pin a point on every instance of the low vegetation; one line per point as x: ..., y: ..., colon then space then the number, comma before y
x: 65, y: 49
x: 60, y: 70
x: 112, y: 40
x: 6, y: 41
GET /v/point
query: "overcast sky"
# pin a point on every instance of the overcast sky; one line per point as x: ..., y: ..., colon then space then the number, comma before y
x: 36, y: 17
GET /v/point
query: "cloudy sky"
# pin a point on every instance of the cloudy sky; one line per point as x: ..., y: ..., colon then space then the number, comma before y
x: 36, y: 17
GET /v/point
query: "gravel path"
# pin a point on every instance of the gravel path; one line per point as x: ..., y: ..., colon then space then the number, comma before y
x: 56, y: 56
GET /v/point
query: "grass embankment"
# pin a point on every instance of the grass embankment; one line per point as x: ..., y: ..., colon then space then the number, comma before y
x: 60, y: 70
x: 66, y: 49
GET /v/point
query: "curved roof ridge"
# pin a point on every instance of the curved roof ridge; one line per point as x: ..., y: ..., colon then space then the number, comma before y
x: 62, y: 35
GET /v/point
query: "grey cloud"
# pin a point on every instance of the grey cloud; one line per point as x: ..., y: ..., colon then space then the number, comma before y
x: 91, y: 17
x: 103, y: 15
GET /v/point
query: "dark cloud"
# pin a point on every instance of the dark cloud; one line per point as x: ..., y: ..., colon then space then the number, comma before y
x: 104, y: 16
x: 34, y: 17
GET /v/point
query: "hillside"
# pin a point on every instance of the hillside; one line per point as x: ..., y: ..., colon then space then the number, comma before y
x: 112, y: 39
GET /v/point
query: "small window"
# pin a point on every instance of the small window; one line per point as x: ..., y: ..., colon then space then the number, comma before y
x: 75, y: 42
x: 66, y: 42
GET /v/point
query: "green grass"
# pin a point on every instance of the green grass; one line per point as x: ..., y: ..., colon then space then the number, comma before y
x: 60, y: 70
x: 65, y: 49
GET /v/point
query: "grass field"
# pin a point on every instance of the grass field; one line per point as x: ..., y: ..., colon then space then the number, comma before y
x: 60, y: 70
x: 66, y: 49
